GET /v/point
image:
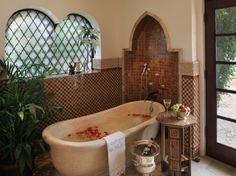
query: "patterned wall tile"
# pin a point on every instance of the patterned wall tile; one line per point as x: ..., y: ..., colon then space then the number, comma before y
x: 83, y: 94
x: 191, y: 97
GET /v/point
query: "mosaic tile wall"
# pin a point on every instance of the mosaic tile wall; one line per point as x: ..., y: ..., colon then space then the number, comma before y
x: 149, y: 46
x: 191, y: 97
x: 83, y: 94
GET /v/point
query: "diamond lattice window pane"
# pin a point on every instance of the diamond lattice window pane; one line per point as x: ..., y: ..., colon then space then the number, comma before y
x: 24, y: 33
x: 67, y: 43
x: 33, y: 42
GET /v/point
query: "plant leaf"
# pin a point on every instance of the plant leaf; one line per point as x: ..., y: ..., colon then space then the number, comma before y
x: 21, y: 115
x: 34, y: 106
x: 22, y: 164
x: 18, y: 152
x: 27, y: 148
x: 28, y: 152
x: 32, y: 110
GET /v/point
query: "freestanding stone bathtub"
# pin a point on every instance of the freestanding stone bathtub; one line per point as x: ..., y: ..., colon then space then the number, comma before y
x: 90, y: 158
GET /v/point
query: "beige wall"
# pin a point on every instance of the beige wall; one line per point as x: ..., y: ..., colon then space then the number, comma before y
x: 104, y: 11
x: 117, y: 18
x: 200, y: 50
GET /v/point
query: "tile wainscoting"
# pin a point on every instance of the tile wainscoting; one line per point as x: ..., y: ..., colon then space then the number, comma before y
x: 191, y: 96
x: 83, y: 94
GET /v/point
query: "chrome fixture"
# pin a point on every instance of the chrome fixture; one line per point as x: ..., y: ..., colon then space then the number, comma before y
x: 152, y: 96
x: 145, y: 69
x: 151, y: 107
x: 144, y: 88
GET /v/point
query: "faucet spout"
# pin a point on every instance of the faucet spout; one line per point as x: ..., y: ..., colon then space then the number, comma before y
x: 151, y: 107
x: 152, y: 95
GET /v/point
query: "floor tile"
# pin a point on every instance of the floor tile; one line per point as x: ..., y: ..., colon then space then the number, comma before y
x: 206, y: 167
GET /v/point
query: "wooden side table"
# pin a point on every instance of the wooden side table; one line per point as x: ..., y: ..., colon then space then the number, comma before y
x: 176, y: 160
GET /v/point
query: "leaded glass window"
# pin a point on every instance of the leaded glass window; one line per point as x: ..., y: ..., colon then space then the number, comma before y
x: 34, y: 43
x: 68, y: 46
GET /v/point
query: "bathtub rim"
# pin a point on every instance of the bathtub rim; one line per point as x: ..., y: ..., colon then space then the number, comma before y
x: 52, y: 140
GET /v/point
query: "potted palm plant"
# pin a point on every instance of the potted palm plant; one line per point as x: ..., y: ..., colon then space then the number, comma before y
x: 90, y: 37
x: 23, y: 105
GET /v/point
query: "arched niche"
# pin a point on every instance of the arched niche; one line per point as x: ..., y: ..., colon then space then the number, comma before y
x: 150, y: 44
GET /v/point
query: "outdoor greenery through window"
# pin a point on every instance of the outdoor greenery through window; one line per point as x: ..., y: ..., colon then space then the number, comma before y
x: 225, y: 49
x: 225, y: 60
x: 34, y: 43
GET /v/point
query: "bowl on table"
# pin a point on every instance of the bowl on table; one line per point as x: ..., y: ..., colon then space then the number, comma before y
x: 182, y: 115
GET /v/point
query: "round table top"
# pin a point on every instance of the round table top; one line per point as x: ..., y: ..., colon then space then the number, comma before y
x: 170, y: 119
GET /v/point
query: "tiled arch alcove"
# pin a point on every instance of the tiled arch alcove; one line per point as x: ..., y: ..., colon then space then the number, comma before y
x: 149, y: 45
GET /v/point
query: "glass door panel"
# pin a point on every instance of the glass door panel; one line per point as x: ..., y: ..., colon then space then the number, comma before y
x: 226, y: 133
x: 225, y: 20
x: 226, y: 105
x: 226, y: 76
x: 225, y: 39
x: 226, y: 48
x: 221, y: 79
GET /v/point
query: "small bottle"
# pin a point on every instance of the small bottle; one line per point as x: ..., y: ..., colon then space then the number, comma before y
x: 71, y: 69
x: 77, y: 67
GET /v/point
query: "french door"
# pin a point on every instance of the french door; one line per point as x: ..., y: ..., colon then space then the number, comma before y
x: 220, y: 35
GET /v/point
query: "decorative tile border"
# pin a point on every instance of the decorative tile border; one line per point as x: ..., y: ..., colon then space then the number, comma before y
x: 190, y: 68
x: 107, y: 63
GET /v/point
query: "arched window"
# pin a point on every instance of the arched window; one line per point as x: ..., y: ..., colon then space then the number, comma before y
x: 68, y: 46
x: 29, y: 36
x: 34, y: 43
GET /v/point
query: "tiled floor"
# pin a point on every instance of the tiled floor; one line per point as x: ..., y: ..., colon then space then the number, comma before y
x: 212, y: 167
x: 206, y: 167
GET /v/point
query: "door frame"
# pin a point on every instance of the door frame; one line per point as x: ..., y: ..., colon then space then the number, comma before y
x: 213, y: 148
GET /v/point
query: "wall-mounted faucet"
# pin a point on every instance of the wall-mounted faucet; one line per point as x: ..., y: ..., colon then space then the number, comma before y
x: 144, y: 87
x: 145, y: 69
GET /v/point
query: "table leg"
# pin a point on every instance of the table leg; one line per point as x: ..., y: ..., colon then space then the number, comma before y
x: 163, y: 147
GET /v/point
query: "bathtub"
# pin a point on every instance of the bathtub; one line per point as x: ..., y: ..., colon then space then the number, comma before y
x: 90, y: 158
